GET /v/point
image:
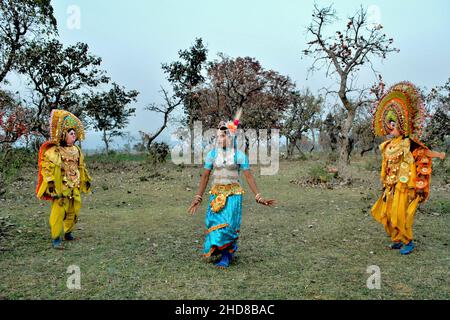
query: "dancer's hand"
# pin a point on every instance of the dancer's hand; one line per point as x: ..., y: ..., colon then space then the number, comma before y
x: 264, y: 202
x: 269, y: 202
x: 434, y: 154
x: 194, y: 205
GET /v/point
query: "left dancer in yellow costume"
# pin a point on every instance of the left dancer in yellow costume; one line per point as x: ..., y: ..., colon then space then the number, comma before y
x: 62, y: 175
x: 406, y: 163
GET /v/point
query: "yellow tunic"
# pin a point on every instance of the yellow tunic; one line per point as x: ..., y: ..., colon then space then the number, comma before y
x: 397, y: 205
x: 64, y: 166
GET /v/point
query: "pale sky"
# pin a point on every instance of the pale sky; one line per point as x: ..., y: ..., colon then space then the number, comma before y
x: 134, y: 37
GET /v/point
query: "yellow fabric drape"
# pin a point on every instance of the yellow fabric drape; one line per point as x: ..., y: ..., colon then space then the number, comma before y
x: 66, y: 202
x: 396, y: 207
x: 64, y: 214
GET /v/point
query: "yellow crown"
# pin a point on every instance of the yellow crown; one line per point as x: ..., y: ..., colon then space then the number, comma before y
x: 62, y: 121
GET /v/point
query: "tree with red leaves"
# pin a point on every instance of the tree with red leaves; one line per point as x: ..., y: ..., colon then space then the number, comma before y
x: 232, y: 84
x: 13, y: 120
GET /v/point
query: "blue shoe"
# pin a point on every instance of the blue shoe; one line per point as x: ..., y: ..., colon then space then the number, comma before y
x: 57, y: 244
x: 225, y: 261
x: 407, y: 249
x: 396, y: 245
x: 235, y: 247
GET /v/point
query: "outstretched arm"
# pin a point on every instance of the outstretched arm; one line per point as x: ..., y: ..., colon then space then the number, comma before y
x: 201, y: 189
x: 252, y: 184
x: 434, y: 154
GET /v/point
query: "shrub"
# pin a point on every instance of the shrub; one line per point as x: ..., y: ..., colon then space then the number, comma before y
x: 318, y: 174
x: 158, y: 152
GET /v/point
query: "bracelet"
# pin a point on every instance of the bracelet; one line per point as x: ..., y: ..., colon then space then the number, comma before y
x: 199, y: 197
x: 258, y: 196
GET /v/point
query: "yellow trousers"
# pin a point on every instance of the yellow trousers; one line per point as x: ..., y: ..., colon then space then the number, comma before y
x: 395, y: 210
x: 63, y: 216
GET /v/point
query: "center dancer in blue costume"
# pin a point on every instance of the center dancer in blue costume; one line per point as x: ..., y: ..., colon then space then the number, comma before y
x: 224, y: 212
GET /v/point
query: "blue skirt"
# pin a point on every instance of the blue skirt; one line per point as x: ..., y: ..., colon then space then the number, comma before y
x: 223, y: 227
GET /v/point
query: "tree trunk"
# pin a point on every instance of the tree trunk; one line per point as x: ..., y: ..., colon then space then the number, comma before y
x: 313, y: 140
x: 153, y: 137
x: 300, y: 151
x: 345, y: 143
x: 291, y: 146
x: 105, y: 140
x: 11, y: 57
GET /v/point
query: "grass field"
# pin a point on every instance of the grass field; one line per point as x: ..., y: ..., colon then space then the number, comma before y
x: 138, y: 242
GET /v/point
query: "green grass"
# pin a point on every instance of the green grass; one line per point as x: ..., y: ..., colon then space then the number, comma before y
x: 139, y: 243
x: 115, y: 157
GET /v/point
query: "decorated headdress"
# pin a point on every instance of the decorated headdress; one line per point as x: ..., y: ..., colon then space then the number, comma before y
x: 61, y: 122
x: 402, y: 104
x: 231, y: 126
x: 231, y: 129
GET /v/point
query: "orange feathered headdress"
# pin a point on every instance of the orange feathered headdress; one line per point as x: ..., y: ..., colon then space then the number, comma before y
x: 403, y: 104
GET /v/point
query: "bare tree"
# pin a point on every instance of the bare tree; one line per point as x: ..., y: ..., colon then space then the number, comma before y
x: 299, y: 118
x: 343, y: 55
x: 169, y: 105
x: 366, y: 140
